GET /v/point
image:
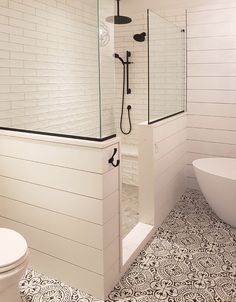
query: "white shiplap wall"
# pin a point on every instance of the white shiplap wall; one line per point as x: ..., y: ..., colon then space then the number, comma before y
x: 211, y: 84
x: 162, y: 167
x: 63, y: 197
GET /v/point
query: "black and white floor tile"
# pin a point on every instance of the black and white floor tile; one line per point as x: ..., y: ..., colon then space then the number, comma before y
x: 192, y: 258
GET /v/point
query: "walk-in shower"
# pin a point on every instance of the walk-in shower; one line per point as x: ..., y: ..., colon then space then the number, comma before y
x: 157, y: 77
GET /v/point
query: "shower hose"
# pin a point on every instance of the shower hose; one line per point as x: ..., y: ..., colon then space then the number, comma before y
x: 122, y: 108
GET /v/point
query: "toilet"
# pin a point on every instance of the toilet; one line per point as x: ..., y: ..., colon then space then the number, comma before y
x: 14, y: 258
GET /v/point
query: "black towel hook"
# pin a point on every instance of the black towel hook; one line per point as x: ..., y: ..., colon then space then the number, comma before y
x: 111, y: 160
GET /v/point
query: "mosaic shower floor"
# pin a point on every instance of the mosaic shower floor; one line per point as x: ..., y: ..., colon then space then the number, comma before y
x: 192, y: 258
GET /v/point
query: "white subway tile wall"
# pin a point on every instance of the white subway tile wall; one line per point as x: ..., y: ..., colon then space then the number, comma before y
x: 49, y: 66
x: 211, y: 84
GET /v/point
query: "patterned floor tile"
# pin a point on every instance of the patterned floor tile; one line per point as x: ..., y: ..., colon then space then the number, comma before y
x: 36, y: 287
x: 191, y: 258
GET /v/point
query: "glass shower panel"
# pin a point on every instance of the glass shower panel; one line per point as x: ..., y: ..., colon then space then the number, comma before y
x: 107, y: 68
x: 50, y: 71
x: 167, y: 82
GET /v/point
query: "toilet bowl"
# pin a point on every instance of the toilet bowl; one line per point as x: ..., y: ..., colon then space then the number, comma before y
x: 14, y: 258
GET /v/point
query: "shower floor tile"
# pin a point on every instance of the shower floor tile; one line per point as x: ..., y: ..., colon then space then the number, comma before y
x: 191, y: 258
x: 129, y: 208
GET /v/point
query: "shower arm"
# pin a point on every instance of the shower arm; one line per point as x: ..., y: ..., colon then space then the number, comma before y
x: 118, y: 7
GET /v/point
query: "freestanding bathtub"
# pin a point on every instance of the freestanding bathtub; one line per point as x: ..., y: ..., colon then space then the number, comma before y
x: 217, y: 180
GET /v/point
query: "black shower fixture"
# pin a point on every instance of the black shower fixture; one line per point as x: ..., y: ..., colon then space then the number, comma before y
x: 128, y: 91
x: 118, y: 19
x: 140, y: 37
x: 126, y: 66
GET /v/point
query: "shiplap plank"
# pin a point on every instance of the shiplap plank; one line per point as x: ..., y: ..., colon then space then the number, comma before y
x: 52, y: 222
x: 211, y: 30
x: 169, y: 194
x: 111, y: 255
x: 169, y: 159
x: 213, y: 135
x: 215, y: 83
x: 212, y: 70
x: 212, y: 122
x: 80, y: 182
x: 82, y: 207
x: 212, y: 56
x: 214, y: 149
x: 211, y: 17
x: 211, y: 43
x: 169, y: 144
x: 212, y: 96
x: 171, y: 128
x: 164, y: 179
x: 63, y: 155
x: 68, y: 273
x: 56, y: 246
x: 111, y: 230
x: 212, y: 7
x: 78, y: 206
x: 211, y: 109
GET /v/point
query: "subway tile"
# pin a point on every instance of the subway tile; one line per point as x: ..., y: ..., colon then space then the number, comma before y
x: 21, y: 7
x: 7, y: 29
x: 22, y: 24
x: 4, y: 3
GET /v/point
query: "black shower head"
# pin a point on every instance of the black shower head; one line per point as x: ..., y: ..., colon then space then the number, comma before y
x: 118, y: 19
x: 140, y: 37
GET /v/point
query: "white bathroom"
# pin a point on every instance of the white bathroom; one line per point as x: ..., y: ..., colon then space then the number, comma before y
x: 117, y: 150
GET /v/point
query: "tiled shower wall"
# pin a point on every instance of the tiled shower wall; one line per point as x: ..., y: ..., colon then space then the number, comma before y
x: 48, y: 66
x: 139, y: 84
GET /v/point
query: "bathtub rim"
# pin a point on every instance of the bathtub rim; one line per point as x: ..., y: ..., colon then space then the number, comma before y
x: 215, y: 172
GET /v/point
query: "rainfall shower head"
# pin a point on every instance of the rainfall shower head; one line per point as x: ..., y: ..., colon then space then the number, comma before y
x: 140, y: 37
x: 118, y: 19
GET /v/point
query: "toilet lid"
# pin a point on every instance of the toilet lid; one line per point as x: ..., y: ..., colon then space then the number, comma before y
x: 12, y: 247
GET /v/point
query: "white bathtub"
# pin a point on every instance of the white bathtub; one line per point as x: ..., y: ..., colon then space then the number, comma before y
x: 217, y: 180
